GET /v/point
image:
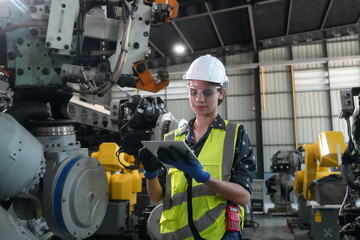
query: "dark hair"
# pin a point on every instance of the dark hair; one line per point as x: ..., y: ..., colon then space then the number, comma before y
x: 221, y: 100
x: 221, y: 88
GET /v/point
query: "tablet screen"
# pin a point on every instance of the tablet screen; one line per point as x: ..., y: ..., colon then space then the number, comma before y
x: 181, y: 146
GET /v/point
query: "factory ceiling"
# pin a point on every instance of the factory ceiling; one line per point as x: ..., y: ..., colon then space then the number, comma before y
x: 224, y: 27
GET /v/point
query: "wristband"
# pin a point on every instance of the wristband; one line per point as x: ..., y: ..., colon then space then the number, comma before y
x: 151, y: 175
x: 202, y: 177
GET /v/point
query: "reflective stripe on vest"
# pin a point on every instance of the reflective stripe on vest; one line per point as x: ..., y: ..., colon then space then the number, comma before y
x: 209, y: 207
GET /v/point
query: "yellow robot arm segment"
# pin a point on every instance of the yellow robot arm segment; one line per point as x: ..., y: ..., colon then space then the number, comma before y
x: 124, y: 185
x: 332, y: 146
x: 107, y: 157
x: 319, y: 158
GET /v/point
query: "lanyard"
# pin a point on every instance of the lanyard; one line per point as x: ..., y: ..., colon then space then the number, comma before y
x: 192, y: 226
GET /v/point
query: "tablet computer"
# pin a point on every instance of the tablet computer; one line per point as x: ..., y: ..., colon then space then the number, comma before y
x: 181, y: 146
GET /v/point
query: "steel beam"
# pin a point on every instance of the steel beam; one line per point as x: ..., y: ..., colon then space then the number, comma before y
x: 156, y: 48
x: 182, y: 36
x: 326, y: 14
x: 289, y: 18
x: 225, y: 10
x: 258, y: 120
x: 213, y: 23
x: 267, y: 2
x: 294, y: 62
x: 288, y: 63
x: 311, y: 31
x: 212, y: 12
x: 252, y: 28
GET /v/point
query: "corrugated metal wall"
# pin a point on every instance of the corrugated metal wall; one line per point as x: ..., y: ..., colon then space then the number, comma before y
x: 179, y: 107
x: 276, y: 104
x: 312, y: 88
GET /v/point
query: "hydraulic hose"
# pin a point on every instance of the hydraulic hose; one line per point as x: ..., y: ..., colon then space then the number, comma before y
x: 25, y: 111
x: 347, y: 174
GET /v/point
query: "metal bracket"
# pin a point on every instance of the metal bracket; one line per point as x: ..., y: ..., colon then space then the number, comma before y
x: 347, y: 103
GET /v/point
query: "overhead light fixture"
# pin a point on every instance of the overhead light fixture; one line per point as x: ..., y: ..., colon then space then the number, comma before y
x: 336, y: 33
x: 269, y: 43
x: 179, y: 49
x: 294, y: 39
x: 350, y: 30
x: 309, y: 38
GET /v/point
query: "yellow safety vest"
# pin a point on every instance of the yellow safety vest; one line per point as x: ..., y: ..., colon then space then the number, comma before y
x: 208, y: 207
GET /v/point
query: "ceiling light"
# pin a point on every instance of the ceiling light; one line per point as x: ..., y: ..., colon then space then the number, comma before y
x: 336, y: 33
x: 350, y: 30
x: 309, y: 38
x: 294, y: 39
x: 179, y: 48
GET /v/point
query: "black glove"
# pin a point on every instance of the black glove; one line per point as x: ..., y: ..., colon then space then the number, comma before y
x: 151, y: 164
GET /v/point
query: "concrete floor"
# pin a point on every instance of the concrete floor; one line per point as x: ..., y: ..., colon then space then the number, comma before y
x: 271, y: 227
x: 265, y: 227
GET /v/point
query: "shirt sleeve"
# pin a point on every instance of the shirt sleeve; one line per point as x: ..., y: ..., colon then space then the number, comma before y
x: 244, y: 165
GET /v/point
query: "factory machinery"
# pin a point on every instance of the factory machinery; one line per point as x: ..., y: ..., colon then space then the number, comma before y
x: 349, y: 214
x: 280, y: 186
x: 319, y: 185
x: 329, y: 199
x: 49, y: 185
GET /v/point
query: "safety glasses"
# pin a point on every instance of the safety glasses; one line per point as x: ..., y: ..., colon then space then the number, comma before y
x: 207, y: 92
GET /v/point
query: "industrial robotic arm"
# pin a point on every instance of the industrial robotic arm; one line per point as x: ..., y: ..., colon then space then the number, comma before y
x: 280, y: 185
x: 94, y: 44
x: 349, y: 215
x: 49, y: 50
x: 321, y: 158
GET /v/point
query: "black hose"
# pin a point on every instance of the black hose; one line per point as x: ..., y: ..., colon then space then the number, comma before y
x: 347, y: 174
x: 25, y: 111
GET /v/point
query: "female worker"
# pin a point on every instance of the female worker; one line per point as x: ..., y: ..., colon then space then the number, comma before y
x: 201, y: 193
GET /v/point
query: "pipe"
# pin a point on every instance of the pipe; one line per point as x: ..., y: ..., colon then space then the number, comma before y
x: 258, y: 120
x: 263, y: 87
x: 294, y: 106
x: 25, y: 111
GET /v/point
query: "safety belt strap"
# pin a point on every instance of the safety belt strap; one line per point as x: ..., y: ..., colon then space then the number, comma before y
x: 228, y: 153
x: 193, y: 229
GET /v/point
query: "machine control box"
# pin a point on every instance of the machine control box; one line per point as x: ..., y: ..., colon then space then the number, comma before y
x: 347, y: 103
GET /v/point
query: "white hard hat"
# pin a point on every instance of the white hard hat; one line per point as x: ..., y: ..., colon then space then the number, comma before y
x: 207, y: 68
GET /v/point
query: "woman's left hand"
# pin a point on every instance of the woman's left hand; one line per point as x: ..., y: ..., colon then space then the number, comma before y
x: 189, y: 164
